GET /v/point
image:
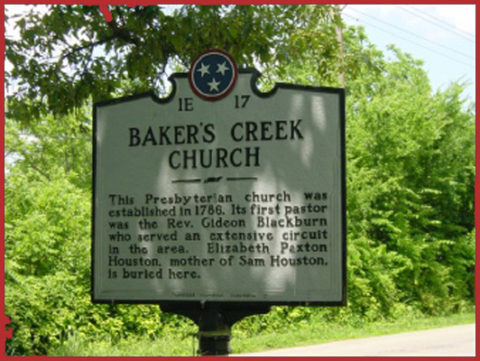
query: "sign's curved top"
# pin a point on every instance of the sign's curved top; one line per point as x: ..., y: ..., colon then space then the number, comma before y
x: 197, y: 200
x: 213, y: 74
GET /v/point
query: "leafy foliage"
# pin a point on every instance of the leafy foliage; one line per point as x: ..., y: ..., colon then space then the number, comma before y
x: 410, y: 163
x: 411, y: 160
x: 87, y: 58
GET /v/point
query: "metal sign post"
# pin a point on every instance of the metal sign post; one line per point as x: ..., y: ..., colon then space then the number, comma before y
x: 220, y: 201
x: 214, y: 320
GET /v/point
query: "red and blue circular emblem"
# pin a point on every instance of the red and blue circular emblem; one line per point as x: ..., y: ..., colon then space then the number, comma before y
x: 213, y: 74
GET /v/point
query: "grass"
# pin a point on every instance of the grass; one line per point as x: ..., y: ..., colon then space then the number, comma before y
x: 306, y: 335
x: 134, y: 346
x: 317, y: 334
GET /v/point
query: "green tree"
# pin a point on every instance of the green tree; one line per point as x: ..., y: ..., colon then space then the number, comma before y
x: 412, y: 164
x: 71, y: 55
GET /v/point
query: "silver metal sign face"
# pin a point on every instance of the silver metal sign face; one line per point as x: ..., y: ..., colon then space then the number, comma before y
x: 237, y: 199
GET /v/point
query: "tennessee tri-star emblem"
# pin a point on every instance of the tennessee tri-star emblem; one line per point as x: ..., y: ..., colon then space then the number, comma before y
x: 213, y: 74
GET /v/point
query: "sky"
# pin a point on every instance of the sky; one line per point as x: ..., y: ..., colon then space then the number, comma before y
x: 443, y: 36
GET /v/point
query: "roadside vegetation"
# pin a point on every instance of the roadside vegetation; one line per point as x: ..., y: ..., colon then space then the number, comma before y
x: 410, y: 174
x: 313, y: 331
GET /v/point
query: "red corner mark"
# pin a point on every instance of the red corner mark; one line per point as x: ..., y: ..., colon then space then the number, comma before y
x: 103, y: 5
x: 8, y: 333
x: 4, y: 332
x: 106, y: 12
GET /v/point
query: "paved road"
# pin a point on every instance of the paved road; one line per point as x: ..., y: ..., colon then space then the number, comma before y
x: 449, y: 341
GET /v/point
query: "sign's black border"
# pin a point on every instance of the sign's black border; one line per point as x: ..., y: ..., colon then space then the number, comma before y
x: 245, y: 304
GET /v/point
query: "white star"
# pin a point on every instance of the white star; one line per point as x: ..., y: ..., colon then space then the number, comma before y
x: 213, y: 85
x: 222, y: 68
x: 204, y: 69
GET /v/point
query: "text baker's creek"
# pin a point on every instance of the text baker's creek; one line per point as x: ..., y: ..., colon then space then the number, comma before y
x: 248, y: 131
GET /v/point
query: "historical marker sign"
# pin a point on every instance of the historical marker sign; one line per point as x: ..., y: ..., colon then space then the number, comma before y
x: 220, y: 192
